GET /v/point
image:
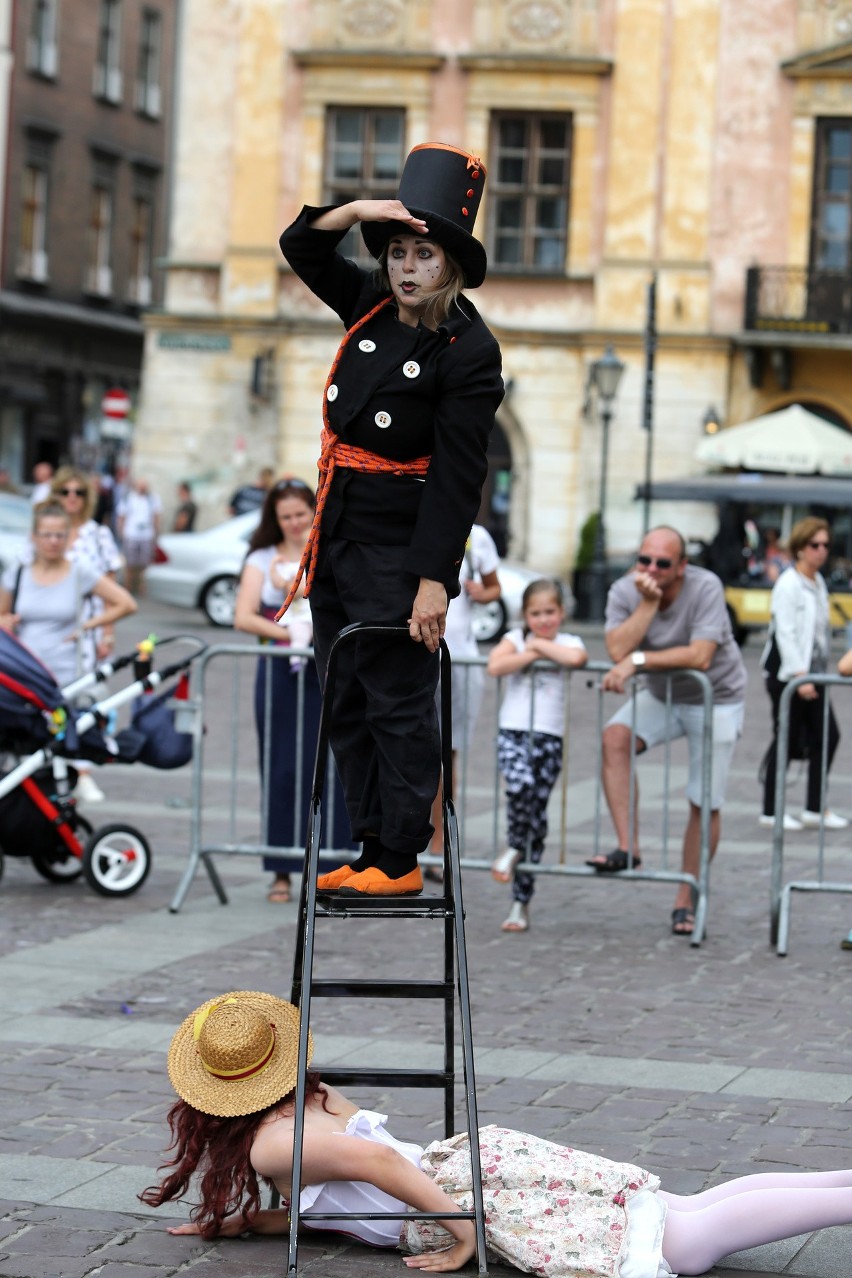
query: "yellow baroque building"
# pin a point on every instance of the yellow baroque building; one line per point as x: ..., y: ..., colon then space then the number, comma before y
x: 706, y: 144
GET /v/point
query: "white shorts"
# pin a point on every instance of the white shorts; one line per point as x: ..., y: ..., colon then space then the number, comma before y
x: 654, y: 726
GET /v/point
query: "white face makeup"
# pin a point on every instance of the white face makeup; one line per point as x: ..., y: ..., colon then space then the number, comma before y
x: 415, y: 268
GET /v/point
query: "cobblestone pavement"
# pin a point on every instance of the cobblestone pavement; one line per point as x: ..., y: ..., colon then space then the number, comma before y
x: 597, y: 1027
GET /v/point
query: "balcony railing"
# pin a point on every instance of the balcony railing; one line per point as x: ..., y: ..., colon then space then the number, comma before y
x: 798, y: 299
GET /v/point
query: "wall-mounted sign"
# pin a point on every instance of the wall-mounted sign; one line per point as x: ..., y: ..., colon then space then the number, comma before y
x: 194, y: 341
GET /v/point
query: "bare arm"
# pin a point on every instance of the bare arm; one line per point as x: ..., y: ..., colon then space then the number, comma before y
x: 486, y: 590
x: 119, y: 603
x: 331, y: 1156
x: 697, y: 655
x: 844, y: 665
x: 505, y: 659
x: 560, y: 653
x: 246, y: 610
x: 626, y: 637
x: 8, y: 619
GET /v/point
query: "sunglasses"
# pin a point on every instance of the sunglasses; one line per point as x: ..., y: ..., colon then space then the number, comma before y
x: 72, y: 492
x: 647, y: 560
x: 819, y: 545
x: 291, y: 483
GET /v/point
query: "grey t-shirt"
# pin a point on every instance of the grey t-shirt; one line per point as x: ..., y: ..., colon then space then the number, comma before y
x: 49, y: 614
x: 699, y: 612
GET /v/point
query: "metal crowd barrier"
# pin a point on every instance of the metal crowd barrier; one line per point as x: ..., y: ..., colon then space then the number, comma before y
x: 233, y: 792
x: 228, y: 794
x: 781, y: 898
x: 480, y: 807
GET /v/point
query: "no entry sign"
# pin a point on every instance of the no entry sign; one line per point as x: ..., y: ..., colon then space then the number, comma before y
x: 115, y: 403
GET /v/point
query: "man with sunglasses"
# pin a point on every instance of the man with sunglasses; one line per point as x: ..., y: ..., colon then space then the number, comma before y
x: 669, y: 615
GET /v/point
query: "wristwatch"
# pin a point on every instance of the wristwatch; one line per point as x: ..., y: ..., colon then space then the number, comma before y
x: 638, y: 659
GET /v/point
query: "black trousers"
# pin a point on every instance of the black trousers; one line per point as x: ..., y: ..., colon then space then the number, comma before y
x: 384, y: 723
x: 806, y: 732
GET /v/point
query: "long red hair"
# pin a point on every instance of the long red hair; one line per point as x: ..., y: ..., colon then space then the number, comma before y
x: 218, y: 1148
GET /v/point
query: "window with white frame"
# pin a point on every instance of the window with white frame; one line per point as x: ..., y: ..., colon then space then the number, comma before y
x: 364, y: 153
x: 32, y: 242
x: 107, y: 83
x: 139, y: 283
x: 529, y: 179
x: 148, y: 97
x: 101, y: 209
x: 42, y: 45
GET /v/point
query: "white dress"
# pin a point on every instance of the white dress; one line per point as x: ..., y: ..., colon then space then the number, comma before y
x: 640, y: 1255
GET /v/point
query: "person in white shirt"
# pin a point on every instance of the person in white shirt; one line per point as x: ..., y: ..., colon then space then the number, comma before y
x: 480, y: 584
x: 138, y: 529
x: 529, y: 741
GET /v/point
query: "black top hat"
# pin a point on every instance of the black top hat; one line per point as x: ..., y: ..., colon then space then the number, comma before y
x: 443, y: 186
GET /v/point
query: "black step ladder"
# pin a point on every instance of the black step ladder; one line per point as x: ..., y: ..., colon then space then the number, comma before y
x: 449, y: 908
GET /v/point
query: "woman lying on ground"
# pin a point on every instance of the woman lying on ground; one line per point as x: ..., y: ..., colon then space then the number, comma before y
x: 550, y: 1209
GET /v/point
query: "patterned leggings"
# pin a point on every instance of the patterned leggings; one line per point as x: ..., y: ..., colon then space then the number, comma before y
x: 530, y: 769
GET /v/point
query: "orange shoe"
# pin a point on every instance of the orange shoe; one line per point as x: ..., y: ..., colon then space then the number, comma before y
x: 331, y: 882
x: 374, y: 882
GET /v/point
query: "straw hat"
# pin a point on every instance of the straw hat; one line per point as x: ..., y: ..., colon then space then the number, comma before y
x: 237, y: 1053
x: 443, y: 186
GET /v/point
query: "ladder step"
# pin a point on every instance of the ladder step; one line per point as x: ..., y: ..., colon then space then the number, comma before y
x: 385, y: 1215
x: 385, y: 989
x: 354, y: 1076
x: 385, y: 907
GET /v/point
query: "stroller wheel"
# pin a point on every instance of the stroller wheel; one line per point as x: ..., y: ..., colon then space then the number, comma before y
x: 116, y: 860
x: 64, y: 867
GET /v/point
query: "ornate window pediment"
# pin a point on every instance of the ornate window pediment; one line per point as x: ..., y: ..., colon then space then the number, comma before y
x: 832, y: 62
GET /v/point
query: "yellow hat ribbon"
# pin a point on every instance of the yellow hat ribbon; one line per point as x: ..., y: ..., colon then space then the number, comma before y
x: 230, y: 1074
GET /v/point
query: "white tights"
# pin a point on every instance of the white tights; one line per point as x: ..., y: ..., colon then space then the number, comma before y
x: 750, y: 1211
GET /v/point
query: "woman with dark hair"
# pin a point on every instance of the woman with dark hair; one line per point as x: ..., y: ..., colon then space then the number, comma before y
x: 549, y: 1209
x: 407, y: 411
x: 274, y: 553
x: 799, y: 643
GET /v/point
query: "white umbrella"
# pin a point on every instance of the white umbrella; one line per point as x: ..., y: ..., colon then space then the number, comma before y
x: 793, y: 440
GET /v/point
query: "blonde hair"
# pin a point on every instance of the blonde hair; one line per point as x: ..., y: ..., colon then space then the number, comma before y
x: 66, y: 474
x: 447, y: 292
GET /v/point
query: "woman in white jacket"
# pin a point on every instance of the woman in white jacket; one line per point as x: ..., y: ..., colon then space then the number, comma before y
x: 799, y: 643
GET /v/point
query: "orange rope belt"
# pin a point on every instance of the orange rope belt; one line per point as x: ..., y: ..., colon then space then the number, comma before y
x: 334, y: 453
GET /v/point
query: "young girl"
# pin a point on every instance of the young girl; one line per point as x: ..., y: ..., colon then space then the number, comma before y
x: 550, y: 1209
x: 529, y: 742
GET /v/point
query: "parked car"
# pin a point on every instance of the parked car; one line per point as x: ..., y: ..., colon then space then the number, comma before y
x: 202, y: 570
x: 15, y: 523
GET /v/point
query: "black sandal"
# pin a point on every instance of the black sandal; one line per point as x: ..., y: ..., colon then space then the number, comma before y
x: 614, y: 862
x: 679, y: 920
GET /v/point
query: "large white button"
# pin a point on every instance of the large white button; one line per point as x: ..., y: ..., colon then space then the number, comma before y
x: 382, y: 420
x: 331, y: 393
x: 366, y: 345
x: 411, y: 369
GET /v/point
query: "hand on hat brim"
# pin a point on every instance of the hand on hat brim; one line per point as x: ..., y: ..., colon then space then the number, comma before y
x: 391, y: 211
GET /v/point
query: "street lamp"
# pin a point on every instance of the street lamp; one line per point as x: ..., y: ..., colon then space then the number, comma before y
x: 710, y: 421
x: 605, y: 375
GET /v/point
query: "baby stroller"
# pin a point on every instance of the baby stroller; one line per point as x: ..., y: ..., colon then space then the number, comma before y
x: 40, y: 731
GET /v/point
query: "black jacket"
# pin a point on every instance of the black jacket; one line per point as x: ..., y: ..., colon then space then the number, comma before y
x: 446, y: 409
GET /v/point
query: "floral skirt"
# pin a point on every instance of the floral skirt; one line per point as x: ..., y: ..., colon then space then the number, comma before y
x: 549, y: 1209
